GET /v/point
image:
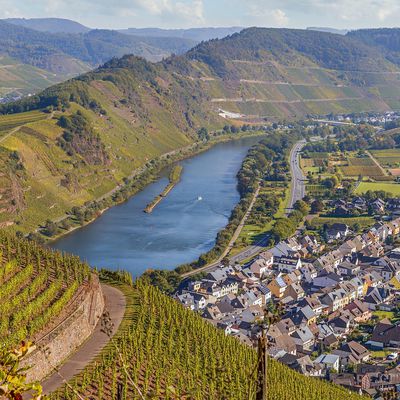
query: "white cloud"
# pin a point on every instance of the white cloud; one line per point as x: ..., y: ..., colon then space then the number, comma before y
x: 279, y: 17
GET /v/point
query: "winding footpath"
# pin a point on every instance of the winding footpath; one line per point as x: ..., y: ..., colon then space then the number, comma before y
x: 115, y: 303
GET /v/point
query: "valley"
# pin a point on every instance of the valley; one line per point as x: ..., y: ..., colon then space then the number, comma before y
x: 266, y: 163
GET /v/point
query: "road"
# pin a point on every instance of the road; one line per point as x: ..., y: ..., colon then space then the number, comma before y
x: 297, y: 187
x: 297, y: 193
x: 114, y: 303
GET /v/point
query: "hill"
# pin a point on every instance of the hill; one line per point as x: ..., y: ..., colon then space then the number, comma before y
x: 53, y: 25
x: 195, y: 34
x: 169, y: 352
x: 18, y: 80
x: 327, y: 29
x: 100, y: 129
x: 386, y: 39
x: 57, y: 56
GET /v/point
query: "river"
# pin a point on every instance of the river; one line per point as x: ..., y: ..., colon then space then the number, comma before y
x: 181, y: 227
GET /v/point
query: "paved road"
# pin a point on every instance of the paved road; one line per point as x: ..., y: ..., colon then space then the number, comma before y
x: 115, y: 303
x: 297, y: 191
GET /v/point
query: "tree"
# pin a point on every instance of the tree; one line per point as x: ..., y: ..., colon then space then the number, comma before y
x: 302, y: 206
x: 317, y: 206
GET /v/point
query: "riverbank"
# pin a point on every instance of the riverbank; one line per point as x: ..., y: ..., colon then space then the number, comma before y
x: 174, y: 178
x: 140, y: 178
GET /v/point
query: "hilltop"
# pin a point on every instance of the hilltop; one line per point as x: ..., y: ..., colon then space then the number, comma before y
x: 53, y: 25
x: 99, y: 128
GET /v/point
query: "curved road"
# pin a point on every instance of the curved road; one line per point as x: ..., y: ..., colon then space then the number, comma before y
x: 114, y: 303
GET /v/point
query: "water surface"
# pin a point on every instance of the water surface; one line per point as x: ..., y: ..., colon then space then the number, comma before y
x: 181, y: 227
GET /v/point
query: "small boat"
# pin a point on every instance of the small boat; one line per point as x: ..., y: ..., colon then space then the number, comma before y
x: 199, y: 198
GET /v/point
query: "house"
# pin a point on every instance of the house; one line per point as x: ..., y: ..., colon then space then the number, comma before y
x: 341, y: 325
x: 221, y: 289
x: 288, y: 263
x: 330, y: 362
x: 295, y: 291
x: 292, y: 277
x: 259, y: 268
x: 376, y: 296
x: 304, y: 316
x: 337, y: 231
x: 187, y: 300
x: 284, y: 248
x: 348, y: 269
x: 277, y: 287
x: 310, y: 243
x: 267, y: 257
x: 378, y: 206
x: 326, y: 279
x: 385, y: 334
x: 219, y: 275
x: 304, y: 338
x: 312, y: 302
x: 352, y: 353
x: 331, y: 259
x: 359, y: 310
x: 283, y: 342
x: 308, y: 272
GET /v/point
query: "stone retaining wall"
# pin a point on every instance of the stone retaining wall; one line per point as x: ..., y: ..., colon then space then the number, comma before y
x: 65, y: 338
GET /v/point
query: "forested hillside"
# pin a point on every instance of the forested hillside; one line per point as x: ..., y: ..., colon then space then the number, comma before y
x: 168, y: 352
x: 386, y: 39
x: 77, y: 141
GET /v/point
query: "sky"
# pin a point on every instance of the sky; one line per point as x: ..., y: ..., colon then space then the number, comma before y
x: 120, y: 14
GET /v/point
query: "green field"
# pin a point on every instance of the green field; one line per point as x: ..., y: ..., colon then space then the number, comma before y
x: 387, y: 157
x: 362, y: 221
x: 8, y: 122
x: 392, y: 188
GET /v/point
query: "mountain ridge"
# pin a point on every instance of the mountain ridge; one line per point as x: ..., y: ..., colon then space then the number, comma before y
x: 133, y: 111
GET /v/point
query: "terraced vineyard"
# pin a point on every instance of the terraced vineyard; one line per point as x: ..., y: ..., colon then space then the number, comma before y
x: 8, y: 122
x: 36, y: 285
x: 167, y: 352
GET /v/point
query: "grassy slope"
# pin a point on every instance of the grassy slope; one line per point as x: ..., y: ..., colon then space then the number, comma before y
x: 172, y: 353
x: 22, y: 79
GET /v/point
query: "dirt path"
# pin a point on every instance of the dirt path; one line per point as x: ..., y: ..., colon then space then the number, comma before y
x: 384, y: 172
x: 114, y: 303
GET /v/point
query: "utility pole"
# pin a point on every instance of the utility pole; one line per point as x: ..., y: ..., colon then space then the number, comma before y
x: 261, y: 393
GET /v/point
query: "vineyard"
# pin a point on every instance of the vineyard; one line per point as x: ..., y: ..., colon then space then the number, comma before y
x: 36, y: 285
x: 8, y: 122
x: 164, y: 351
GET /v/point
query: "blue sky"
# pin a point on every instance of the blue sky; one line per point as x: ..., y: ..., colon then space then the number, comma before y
x: 196, y: 13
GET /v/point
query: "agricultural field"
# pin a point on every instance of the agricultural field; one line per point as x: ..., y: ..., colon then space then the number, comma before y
x: 392, y: 188
x: 170, y: 352
x: 252, y: 231
x: 364, y: 222
x: 388, y: 158
x: 36, y: 285
x: 11, y: 121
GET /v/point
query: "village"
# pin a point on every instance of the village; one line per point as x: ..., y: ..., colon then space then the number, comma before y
x: 335, y: 297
